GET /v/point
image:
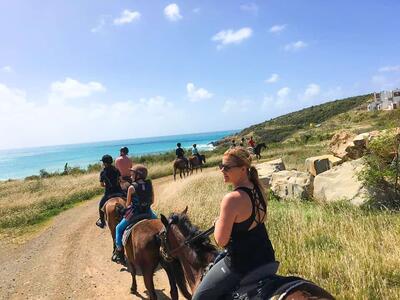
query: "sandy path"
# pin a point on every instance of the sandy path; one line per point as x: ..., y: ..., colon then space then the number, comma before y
x: 70, y: 259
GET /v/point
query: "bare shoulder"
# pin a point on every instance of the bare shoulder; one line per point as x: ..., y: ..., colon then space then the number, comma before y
x: 131, y: 188
x: 230, y: 200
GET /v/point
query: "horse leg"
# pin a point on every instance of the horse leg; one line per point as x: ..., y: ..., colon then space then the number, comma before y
x: 171, y: 279
x: 148, y: 280
x: 133, y: 274
x: 174, y: 174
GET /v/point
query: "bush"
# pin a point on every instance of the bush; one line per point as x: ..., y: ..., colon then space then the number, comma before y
x: 382, y: 170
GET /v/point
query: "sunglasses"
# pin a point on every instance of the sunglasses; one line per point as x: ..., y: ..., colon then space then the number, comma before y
x: 226, y: 168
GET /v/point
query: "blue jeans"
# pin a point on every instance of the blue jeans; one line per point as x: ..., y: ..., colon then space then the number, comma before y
x: 119, y: 231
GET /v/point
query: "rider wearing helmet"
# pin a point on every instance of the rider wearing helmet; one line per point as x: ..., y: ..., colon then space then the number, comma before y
x: 109, y: 179
x: 195, y: 152
x: 124, y: 164
x: 140, y: 198
x: 239, y: 228
x: 180, y: 153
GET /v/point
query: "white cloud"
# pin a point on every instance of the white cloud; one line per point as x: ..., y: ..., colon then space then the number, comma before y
x: 196, y: 94
x: 295, y: 46
x: 71, y: 88
x: 250, y: 7
x: 229, y: 36
x: 53, y: 123
x: 100, y: 25
x: 273, y: 78
x: 7, y: 69
x: 172, y: 12
x: 283, y: 92
x: 277, y: 28
x: 390, y: 69
x: 311, y: 91
x: 127, y: 16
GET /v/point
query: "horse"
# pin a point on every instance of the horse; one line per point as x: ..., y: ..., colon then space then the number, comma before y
x: 143, y: 251
x: 195, y: 256
x: 113, y: 217
x: 195, y: 164
x: 181, y: 164
x: 258, y: 148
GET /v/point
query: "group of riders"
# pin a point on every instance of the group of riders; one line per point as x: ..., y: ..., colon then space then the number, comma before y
x: 240, y: 227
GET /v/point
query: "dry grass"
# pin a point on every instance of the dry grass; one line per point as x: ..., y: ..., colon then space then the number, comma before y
x: 352, y: 253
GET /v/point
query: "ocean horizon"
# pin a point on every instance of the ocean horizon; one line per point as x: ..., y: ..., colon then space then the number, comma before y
x: 22, y: 162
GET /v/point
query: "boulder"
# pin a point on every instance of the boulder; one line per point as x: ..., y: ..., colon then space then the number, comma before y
x: 292, y: 184
x: 339, y: 142
x: 266, y: 169
x: 319, y: 164
x: 341, y: 183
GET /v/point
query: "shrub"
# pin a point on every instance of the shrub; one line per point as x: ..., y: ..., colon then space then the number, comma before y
x: 381, y: 172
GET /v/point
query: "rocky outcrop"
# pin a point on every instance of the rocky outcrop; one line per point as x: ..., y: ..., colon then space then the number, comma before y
x: 266, y: 169
x: 341, y: 183
x: 292, y: 184
x: 319, y: 164
x: 339, y: 142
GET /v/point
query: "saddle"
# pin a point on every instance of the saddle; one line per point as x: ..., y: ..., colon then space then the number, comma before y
x: 120, y: 195
x: 135, y: 221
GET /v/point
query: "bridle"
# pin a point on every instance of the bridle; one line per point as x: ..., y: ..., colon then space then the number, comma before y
x: 167, y: 253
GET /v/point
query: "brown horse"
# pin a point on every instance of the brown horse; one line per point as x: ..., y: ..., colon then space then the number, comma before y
x: 195, y: 164
x: 112, y: 215
x: 181, y: 164
x: 143, y: 251
x: 197, y: 255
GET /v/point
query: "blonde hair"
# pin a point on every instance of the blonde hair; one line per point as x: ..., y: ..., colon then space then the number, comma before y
x: 241, y: 157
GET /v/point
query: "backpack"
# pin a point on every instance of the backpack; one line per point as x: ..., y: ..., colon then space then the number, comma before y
x: 143, y: 195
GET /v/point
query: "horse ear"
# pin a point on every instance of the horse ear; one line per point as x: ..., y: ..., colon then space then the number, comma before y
x: 164, y: 220
x: 184, y: 212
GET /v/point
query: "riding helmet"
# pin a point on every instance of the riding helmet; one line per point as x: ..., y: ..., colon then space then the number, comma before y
x: 107, y: 159
x: 124, y: 150
x: 140, y: 171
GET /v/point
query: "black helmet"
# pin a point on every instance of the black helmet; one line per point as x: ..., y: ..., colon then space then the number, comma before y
x: 194, y: 145
x: 124, y: 150
x: 107, y: 159
x: 178, y: 145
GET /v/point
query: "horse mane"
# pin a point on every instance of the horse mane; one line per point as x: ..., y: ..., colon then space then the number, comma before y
x: 202, y: 246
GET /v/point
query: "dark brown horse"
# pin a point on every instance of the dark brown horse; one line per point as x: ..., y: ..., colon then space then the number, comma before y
x: 195, y: 257
x: 143, y: 251
x: 194, y: 163
x: 258, y: 148
x: 181, y: 164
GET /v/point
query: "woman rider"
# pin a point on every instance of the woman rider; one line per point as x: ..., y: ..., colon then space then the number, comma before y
x: 239, y: 228
x: 139, y: 199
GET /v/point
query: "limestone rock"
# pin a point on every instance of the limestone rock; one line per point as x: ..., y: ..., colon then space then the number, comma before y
x: 319, y: 164
x: 341, y: 183
x: 339, y: 142
x: 292, y: 184
x: 266, y: 169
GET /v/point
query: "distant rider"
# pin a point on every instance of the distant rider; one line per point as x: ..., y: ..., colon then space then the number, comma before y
x: 140, y: 198
x: 180, y: 153
x: 109, y: 179
x: 251, y: 142
x: 124, y: 164
x: 195, y: 152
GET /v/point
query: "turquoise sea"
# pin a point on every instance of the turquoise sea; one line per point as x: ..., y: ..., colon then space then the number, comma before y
x: 19, y: 163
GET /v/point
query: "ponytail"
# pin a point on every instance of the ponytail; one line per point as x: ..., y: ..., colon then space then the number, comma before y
x: 253, y: 176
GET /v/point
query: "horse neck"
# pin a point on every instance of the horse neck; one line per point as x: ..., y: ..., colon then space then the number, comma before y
x: 189, y: 261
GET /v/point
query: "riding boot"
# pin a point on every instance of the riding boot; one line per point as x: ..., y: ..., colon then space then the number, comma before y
x: 101, y: 221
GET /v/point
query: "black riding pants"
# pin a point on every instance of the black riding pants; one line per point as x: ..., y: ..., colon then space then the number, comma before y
x: 101, y: 204
x: 218, y: 282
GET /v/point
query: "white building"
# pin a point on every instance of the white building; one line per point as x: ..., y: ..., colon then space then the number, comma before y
x: 385, y: 100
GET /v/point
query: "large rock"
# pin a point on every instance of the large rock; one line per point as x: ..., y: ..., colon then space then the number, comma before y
x: 339, y: 142
x: 319, y: 164
x: 341, y: 183
x: 266, y: 169
x: 292, y: 184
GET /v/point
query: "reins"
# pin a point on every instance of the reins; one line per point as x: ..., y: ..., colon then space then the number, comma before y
x: 167, y: 255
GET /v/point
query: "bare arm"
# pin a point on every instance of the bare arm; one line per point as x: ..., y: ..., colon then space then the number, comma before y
x: 131, y: 191
x: 227, y: 216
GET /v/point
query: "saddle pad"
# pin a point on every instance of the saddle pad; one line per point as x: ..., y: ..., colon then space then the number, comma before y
x: 128, y: 231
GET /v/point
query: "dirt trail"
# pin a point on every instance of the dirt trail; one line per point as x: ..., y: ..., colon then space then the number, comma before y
x: 70, y: 259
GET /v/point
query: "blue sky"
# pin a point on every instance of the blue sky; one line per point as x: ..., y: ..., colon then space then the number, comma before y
x: 81, y: 71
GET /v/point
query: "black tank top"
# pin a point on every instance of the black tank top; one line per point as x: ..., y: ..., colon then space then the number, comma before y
x: 249, y: 249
